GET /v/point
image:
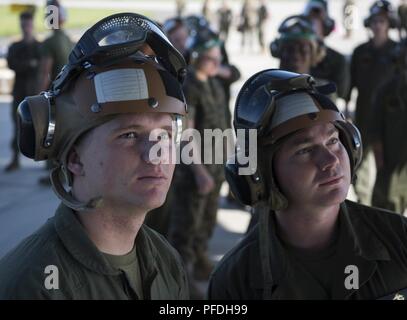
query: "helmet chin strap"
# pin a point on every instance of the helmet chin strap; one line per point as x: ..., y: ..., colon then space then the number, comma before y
x: 67, y: 197
x: 263, y: 211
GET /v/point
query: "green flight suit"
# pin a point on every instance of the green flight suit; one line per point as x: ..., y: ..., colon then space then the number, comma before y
x: 83, y: 271
x: 370, y: 241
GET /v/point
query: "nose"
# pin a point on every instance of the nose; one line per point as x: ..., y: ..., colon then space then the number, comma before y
x: 327, y: 159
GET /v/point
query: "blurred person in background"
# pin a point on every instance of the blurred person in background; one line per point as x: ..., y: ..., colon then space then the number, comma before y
x: 371, y: 65
x: 298, y: 46
x: 225, y: 18
x: 389, y: 132
x: 177, y: 32
x: 247, y: 24
x: 262, y: 16
x: 197, y: 186
x: 24, y: 59
x: 180, y: 7
x: 56, y: 48
x: 333, y: 67
x: 227, y: 73
x: 207, y: 9
x: 402, y: 13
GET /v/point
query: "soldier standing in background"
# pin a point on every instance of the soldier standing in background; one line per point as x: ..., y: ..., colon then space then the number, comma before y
x: 177, y: 32
x: 402, y: 12
x: 23, y: 58
x: 207, y: 9
x: 180, y: 4
x: 297, y: 46
x: 225, y: 17
x: 262, y: 16
x: 389, y: 132
x: 333, y: 67
x: 197, y: 186
x: 371, y: 65
x: 247, y: 23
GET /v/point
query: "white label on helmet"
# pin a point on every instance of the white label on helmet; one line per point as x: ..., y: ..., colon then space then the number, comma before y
x: 121, y: 85
x: 292, y: 106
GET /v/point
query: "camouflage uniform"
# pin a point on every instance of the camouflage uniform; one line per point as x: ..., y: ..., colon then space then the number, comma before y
x: 193, y: 216
x: 389, y: 127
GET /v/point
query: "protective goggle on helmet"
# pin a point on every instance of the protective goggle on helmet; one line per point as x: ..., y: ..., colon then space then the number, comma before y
x: 108, y: 73
x: 277, y: 103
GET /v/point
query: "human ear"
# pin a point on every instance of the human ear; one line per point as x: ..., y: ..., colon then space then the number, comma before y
x: 74, y: 163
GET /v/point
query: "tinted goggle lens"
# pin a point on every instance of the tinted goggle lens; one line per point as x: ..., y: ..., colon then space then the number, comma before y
x: 122, y: 37
x: 252, y: 108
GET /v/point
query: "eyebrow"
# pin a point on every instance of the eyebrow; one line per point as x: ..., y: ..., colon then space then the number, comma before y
x: 308, y: 139
x: 138, y: 127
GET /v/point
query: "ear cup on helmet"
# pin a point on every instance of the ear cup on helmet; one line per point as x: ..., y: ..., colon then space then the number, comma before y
x: 319, y: 53
x: 366, y: 22
x: 247, y: 188
x: 25, y: 130
x: 329, y: 26
x: 238, y: 184
x: 352, y: 140
x: 355, y: 143
x: 275, y: 48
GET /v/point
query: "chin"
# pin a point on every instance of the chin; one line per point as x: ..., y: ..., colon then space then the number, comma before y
x: 154, y: 198
x: 153, y: 204
x: 335, y: 197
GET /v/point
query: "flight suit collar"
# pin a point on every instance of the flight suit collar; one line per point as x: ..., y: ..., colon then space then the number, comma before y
x: 368, y: 249
x: 364, y: 251
x: 366, y: 243
x: 278, y: 258
x: 76, y: 241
